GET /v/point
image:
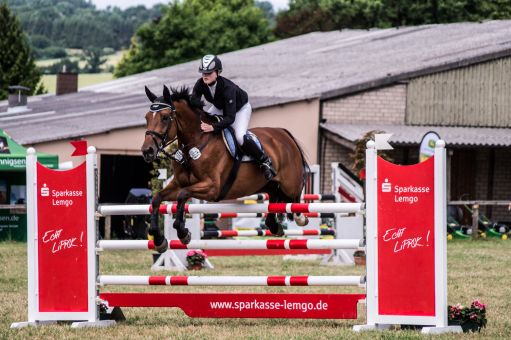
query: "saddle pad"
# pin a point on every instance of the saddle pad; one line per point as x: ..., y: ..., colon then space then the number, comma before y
x: 231, y: 144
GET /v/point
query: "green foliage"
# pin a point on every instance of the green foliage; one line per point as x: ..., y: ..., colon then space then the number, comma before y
x: 50, y: 52
x: 306, y: 16
x: 358, y: 157
x: 17, y: 66
x: 268, y: 11
x: 94, y: 59
x: 77, y: 23
x: 189, y: 29
x: 71, y: 66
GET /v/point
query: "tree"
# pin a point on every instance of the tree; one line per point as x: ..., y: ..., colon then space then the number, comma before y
x: 17, y: 66
x: 94, y: 59
x: 189, y: 29
x: 306, y: 16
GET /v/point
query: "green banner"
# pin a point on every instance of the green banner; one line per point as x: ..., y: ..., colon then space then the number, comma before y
x: 12, y: 155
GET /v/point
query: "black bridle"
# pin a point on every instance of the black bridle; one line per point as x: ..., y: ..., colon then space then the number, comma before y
x: 163, y: 137
x: 179, y: 155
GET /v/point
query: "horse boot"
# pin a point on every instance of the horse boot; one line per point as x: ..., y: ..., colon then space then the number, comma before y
x: 251, y: 148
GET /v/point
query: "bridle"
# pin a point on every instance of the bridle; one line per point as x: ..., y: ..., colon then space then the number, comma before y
x: 179, y: 155
x: 163, y: 137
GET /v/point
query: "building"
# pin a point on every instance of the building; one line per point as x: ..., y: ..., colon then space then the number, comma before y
x: 328, y: 89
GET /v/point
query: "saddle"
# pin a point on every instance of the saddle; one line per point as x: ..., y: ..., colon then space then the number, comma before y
x: 233, y: 147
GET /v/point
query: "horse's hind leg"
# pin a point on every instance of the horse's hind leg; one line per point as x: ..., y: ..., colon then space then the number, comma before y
x: 271, y: 220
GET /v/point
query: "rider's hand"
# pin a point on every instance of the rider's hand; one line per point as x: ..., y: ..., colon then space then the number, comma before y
x: 206, y: 127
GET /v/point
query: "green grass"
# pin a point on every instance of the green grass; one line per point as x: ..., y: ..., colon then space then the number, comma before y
x: 75, y: 55
x: 50, y: 80
x: 477, y: 269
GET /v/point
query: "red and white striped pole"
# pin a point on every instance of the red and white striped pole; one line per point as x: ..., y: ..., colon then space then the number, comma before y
x: 145, y: 209
x: 304, y: 197
x: 104, y: 280
x: 234, y: 244
x: 261, y: 232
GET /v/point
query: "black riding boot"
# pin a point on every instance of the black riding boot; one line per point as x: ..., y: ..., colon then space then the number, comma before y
x: 251, y: 148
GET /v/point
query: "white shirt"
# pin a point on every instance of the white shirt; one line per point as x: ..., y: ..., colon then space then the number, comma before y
x: 212, y: 89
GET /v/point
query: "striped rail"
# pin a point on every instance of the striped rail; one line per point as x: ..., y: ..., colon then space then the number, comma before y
x: 231, y: 280
x: 260, y: 215
x: 234, y: 244
x: 145, y: 209
x: 305, y: 197
x: 261, y: 232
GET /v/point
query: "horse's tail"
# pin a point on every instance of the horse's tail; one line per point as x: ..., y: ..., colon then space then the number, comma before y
x: 306, y: 168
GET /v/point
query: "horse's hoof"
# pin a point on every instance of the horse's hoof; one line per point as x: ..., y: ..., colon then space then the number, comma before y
x: 301, y: 220
x: 185, y: 237
x: 162, y: 247
x: 276, y: 230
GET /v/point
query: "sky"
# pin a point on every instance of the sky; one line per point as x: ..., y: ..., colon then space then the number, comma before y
x: 102, y: 4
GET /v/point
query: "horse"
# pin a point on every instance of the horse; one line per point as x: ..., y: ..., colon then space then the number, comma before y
x: 203, y: 164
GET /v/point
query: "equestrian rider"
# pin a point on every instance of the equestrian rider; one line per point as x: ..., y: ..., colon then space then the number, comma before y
x: 230, y: 102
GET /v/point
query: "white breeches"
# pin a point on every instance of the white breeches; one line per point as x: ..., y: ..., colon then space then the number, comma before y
x: 241, y: 121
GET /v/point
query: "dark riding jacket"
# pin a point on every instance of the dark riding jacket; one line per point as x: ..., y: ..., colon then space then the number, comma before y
x: 229, y: 98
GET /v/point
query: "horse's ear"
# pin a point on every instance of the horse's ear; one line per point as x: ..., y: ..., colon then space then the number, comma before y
x: 150, y: 95
x: 166, y: 94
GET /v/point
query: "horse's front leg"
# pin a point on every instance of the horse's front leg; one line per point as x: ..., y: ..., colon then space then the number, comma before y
x: 169, y: 193
x: 201, y: 190
x: 183, y: 233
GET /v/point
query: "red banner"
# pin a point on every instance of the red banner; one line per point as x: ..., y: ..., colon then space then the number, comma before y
x: 62, y: 239
x: 242, y: 305
x: 406, y: 252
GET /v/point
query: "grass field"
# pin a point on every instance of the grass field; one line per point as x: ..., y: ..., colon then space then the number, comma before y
x: 477, y: 269
x: 50, y: 80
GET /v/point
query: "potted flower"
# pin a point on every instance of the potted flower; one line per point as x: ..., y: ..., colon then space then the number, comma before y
x: 360, y: 257
x: 195, y: 259
x: 471, y: 319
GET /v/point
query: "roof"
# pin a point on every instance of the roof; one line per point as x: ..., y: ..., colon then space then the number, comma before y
x: 412, y: 135
x: 315, y: 65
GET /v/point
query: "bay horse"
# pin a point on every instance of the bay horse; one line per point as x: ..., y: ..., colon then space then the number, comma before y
x: 203, y: 175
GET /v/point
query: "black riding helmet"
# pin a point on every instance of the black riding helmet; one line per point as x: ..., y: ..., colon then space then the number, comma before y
x: 210, y: 63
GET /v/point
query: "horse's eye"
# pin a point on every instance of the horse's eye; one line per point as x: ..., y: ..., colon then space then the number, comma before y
x: 165, y: 119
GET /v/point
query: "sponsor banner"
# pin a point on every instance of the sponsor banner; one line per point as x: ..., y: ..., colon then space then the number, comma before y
x: 239, y: 305
x: 62, y: 239
x: 427, y: 147
x: 406, y: 251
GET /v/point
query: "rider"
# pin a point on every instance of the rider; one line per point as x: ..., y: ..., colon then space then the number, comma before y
x: 230, y: 102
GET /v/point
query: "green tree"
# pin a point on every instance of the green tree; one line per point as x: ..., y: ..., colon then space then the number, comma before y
x: 17, y: 67
x: 306, y: 16
x: 191, y: 28
x: 94, y: 59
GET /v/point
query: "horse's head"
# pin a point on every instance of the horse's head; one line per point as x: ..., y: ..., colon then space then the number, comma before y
x: 159, y: 122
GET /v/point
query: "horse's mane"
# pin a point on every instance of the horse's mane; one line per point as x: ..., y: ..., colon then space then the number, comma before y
x: 183, y: 93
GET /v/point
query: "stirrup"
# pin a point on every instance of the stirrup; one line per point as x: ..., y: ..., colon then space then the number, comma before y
x: 268, y: 171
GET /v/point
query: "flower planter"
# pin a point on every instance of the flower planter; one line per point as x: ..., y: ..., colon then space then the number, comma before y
x: 195, y: 267
x: 360, y: 261
x: 470, y: 326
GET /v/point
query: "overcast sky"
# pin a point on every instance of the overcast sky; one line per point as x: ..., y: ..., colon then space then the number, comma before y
x: 101, y: 4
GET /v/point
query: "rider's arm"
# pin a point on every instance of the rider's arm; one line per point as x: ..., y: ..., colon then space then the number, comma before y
x: 229, y: 110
